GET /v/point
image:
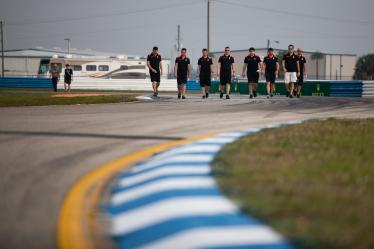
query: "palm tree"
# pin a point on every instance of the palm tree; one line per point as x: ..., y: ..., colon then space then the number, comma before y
x: 365, y: 68
x: 316, y: 56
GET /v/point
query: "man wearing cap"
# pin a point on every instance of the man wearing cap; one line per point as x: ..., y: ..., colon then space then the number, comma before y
x: 226, y: 68
x: 155, y: 69
x: 291, y: 70
x: 302, y: 72
x: 270, y: 67
x: 182, y: 71
x: 252, y: 64
x: 205, y: 71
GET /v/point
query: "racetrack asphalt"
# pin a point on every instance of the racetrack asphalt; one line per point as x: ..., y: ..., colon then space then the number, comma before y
x: 44, y: 150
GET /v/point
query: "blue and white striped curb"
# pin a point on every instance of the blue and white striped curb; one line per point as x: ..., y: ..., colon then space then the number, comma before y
x: 171, y: 200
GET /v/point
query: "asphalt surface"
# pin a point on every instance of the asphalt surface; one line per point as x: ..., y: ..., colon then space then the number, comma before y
x: 44, y: 150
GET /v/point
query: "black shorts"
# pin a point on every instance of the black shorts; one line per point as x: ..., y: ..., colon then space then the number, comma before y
x: 300, y: 79
x: 67, y: 81
x: 155, y: 77
x: 253, y: 77
x: 182, y: 80
x: 270, y: 77
x: 205, y: 80
x: 225, y: 79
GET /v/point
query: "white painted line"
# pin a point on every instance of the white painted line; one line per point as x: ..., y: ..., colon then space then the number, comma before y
x: 169, y: 209
x: 174, y: 159
x: 189, y: 149
x: 161, y: 185
x: 218, y: 237
x: 170, y: 170
x: 217, y: 140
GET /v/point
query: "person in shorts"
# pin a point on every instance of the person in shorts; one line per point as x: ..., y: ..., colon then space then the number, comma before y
x: 270, y: 67
x: 204, y: 72
x: 155, y: 69
x: 252, y: 65
x: 68, y: 77
x: 182, y: 69
x: 226, y: 68
x: 291, y: 70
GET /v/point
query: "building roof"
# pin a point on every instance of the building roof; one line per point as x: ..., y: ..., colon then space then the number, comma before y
x: 41, y: 52
x: 280, y: 49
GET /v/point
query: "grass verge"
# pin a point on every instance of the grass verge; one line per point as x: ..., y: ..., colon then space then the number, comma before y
x: 312, y: 182
x: 39, y: 99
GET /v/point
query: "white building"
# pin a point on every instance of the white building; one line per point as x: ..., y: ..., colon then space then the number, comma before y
x: 330, y: 66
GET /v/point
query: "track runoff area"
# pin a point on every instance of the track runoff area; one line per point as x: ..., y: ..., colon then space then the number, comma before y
x: 293, y: 66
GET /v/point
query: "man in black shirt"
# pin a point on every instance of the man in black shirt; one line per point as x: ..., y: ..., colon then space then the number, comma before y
x: 226, y: 68
x: 302, y: 72
x: 270, y: 67
x: 291, y: 70
x: 205, y: 71
x: 252, y: 64
x: 182, y: 72
x: 155, y: 69
x: 68, y: 77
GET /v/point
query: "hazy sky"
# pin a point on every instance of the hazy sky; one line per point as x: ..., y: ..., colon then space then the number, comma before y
x: 134, y: 26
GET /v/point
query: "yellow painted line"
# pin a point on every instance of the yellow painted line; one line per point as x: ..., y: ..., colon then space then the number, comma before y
x: 75, y: 227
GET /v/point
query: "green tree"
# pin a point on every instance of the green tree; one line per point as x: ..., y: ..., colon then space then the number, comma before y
x: 364, y: 68
x: 316, y: 56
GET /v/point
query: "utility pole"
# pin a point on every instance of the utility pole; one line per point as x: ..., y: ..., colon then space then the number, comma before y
x: 68, y: 39
x: 2, y: 48
x: 179, y: 38
x: 208, y: 25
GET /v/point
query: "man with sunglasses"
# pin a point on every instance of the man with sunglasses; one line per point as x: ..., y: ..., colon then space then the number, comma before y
x: 226, y: 68
x: 291, y: 70
x: 252, y: 64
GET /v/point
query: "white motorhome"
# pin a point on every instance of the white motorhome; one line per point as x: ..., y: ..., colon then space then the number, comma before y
x: 120, y: 67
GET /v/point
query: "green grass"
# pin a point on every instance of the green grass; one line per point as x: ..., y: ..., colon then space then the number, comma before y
x: 313, y: 182
x: 40, y: 99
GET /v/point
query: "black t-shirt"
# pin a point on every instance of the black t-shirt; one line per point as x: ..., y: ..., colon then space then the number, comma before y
x: 252, y: 62
x: 302, y: 61
x: 68, y: 73
x: 205, y: 65
x: 226, y: 62
x: 290, y: 62
x: 182, y: 65
x: 271, y: 63
x: 154, y: 60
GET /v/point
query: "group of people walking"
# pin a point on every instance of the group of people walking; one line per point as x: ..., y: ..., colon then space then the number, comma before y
x: 293, y: 65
